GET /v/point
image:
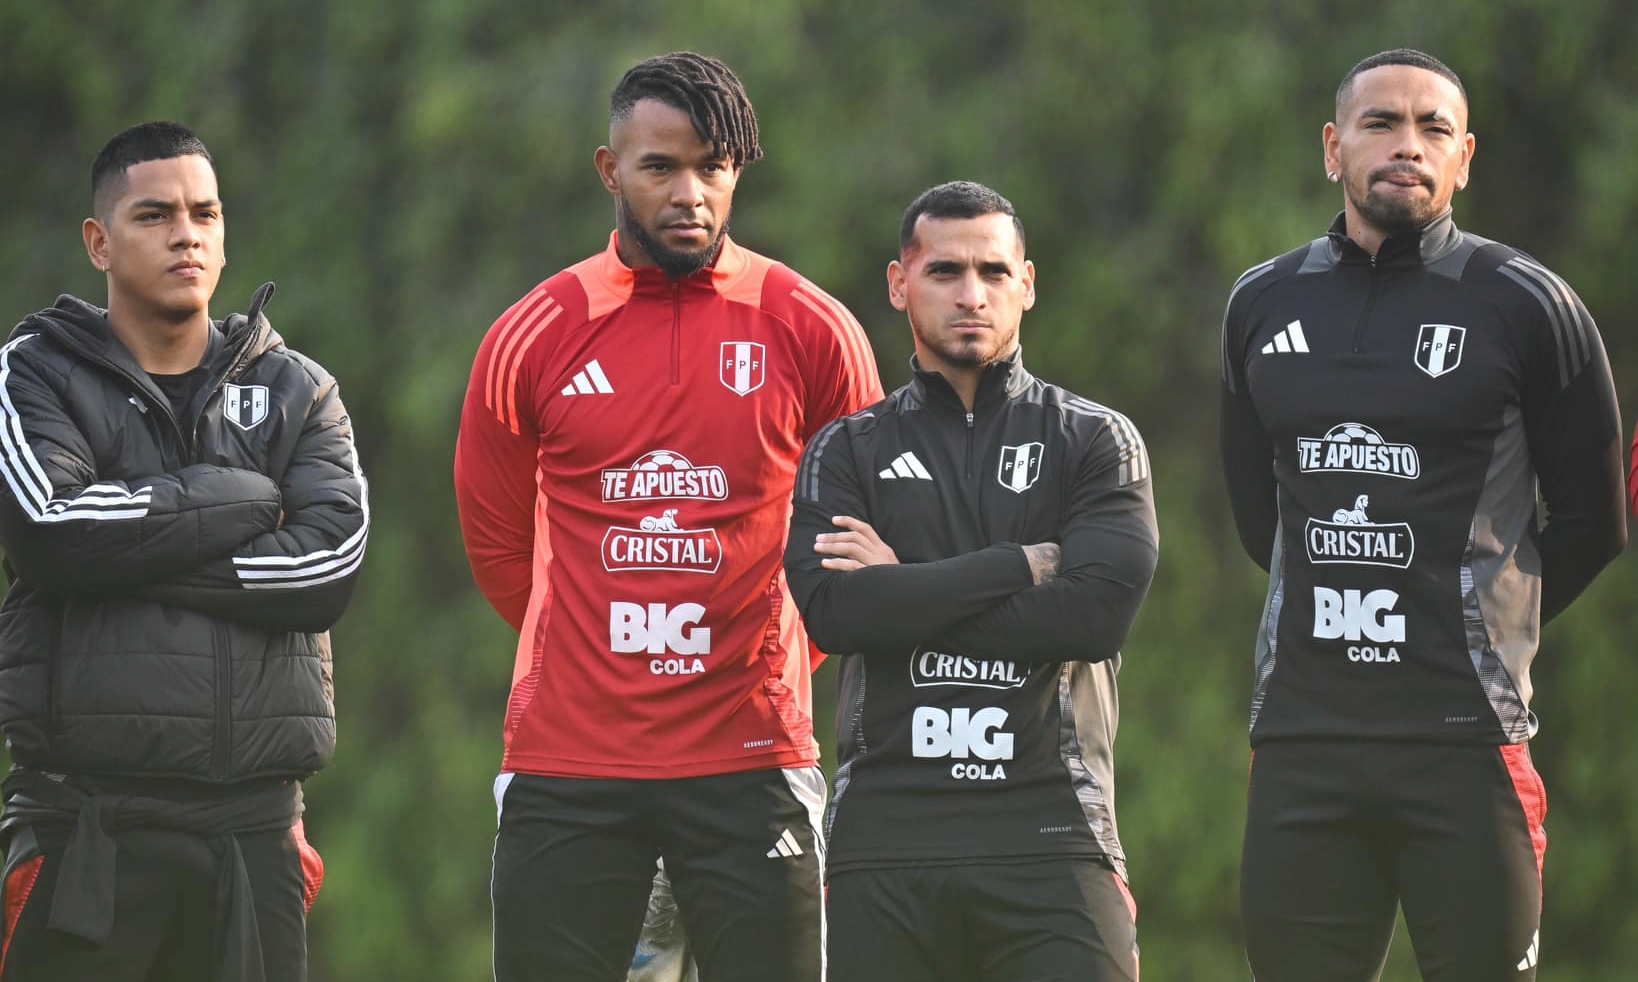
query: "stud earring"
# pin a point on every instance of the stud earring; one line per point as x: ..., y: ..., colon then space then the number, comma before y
x: 1331, y: 176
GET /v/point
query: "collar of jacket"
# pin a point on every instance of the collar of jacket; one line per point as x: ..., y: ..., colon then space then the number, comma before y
x: 1420, y: 247
x: 1001, y: 381
x: 720, y: 275
x: 83, y: 328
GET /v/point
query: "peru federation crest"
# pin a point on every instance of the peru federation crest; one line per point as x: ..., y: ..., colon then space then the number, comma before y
x: 1021, y: 466
x: 1439, y: 348
x: 741, y: 366
x: 245, y: 405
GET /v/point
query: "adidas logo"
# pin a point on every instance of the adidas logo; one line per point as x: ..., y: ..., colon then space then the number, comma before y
x: 785, y: 846
x: 588, y: 380
x: 905, y: 465
x: 1529, y: 960
x: 1290, y: 339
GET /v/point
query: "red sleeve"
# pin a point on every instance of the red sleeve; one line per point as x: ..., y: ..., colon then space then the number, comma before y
x: 840, y: 368
x: 495, y: 460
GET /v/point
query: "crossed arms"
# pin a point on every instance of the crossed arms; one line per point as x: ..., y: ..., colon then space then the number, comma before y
x: 1072, y: 600
x: 281, y: 554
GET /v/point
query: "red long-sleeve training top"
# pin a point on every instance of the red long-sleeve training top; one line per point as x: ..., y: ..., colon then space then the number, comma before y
x: 624, y: 473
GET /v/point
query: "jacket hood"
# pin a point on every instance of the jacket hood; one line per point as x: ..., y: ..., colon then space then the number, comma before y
x: 84, y: 329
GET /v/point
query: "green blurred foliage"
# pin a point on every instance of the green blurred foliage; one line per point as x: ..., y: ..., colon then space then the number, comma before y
x: 406, y: 168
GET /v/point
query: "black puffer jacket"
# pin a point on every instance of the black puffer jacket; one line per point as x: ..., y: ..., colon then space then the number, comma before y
x: 173, y: 580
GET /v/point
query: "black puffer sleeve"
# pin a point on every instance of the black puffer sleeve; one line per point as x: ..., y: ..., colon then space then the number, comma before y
x: 65, y: 530
x: 299, y: 576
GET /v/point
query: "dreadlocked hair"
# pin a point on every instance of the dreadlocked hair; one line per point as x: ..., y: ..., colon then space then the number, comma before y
x: 704, y: 88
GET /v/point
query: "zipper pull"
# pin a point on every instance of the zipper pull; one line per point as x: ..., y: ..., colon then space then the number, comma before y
x: 143, y: 409
x: 969, y: 421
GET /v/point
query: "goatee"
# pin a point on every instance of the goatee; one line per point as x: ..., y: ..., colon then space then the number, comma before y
x: 675, y: 263
x: 1394, y: 214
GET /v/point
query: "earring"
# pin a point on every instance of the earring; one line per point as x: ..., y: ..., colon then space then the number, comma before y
x: 1331, y: 176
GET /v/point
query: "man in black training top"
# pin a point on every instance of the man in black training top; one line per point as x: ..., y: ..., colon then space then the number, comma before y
x: 183, y: 517
x: 978, y: 545
x: 1394, y: 396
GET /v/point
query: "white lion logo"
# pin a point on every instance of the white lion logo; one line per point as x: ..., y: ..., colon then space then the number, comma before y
x: 1343, y: 516
x: 667, y: 522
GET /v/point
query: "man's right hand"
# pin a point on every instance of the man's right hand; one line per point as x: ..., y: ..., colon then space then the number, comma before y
x: 856, y: 548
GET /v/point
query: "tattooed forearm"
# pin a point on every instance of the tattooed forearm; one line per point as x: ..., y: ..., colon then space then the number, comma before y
x: 1044, y: 561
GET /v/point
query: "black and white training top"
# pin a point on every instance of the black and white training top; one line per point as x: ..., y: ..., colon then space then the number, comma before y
x: 977, y: 713
x: 1387, y: 424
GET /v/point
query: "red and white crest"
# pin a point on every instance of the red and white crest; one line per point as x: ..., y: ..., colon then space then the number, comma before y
x: 741, y: 366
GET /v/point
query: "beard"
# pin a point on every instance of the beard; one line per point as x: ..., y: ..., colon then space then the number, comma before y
x: 1396, y: 214
x: 964, y: 352
x: 675, y: 263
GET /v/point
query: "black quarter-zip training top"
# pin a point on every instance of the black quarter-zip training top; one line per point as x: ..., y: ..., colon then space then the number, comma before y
x: 1387, y: 424
x: 977, y: 712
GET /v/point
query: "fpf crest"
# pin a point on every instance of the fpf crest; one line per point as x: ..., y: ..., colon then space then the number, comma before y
x: 741, y: 367
x: 1021, y: 466
x: 245, y: 405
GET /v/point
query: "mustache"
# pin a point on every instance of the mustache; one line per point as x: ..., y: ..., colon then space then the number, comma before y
x: 1391, y: 170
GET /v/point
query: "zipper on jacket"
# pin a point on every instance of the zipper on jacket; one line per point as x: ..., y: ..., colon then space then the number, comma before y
x: 1370, y: 301
x: 967, y: 465
x: 235, y: 369
x: 140, y: 399
x: 222, y: 743
x: 676, y: 333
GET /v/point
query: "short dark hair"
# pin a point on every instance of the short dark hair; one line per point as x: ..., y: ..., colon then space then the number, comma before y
x: 955, y: 199
x: 1399, y: 56
x: 159, y: 140
x: 704, y: 88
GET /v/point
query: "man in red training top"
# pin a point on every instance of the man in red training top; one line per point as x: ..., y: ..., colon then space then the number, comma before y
x: 626, y: 458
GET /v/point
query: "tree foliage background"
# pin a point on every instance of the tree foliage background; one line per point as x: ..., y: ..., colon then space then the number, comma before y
x: 406, y: 168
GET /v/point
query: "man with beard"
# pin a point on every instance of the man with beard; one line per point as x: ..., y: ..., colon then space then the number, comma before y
x: 978, y: 545
x: 626, y: 455
x: 1442, y: 380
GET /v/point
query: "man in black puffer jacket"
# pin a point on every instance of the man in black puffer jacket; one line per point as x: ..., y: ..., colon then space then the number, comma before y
x: 183, y: 517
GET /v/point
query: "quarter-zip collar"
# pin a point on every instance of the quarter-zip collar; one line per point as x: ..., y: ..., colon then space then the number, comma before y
x: 1000, y: 382
x: 719, y: 275
x: 1421, y: 247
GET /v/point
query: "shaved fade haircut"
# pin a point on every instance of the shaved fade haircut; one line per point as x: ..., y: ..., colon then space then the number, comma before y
x: 704, y: 88
x: 159, y: 140
x: 1398, y: 56
x: 955, y: 199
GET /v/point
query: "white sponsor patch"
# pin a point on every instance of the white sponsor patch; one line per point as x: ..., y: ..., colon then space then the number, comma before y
x: 659, y: 544
x: 663, y: 474
x: 1350, y: 537
x: 1354, y: 615
x: 938, y: 668
x: 961, y: 734
x: 1354, y: 448
x: 657, y: 629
